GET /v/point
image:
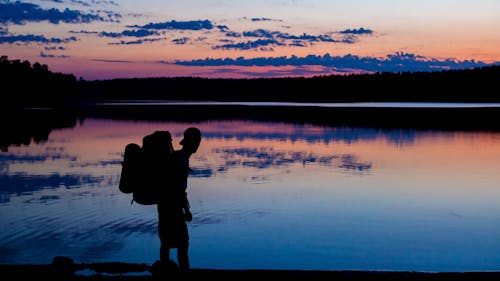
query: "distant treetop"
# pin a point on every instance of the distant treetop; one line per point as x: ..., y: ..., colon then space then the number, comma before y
x: 35, y: 85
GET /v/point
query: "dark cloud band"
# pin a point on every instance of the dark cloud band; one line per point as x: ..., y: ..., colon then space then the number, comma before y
x: 21, y: 13
x: 31, y: 38
x: 179, y: 25
x: 392, y: 62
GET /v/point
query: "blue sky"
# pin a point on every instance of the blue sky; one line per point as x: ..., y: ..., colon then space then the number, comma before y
x: 103, y: 39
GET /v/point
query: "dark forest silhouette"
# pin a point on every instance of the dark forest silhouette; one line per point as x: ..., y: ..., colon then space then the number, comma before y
x: 470, y: 85
x: 34, y: 85
x: 27, y: 84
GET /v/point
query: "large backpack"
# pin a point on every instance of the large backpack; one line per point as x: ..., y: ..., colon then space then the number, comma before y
x: 145, y: 169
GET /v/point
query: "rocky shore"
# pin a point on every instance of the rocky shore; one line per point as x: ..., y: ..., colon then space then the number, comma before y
x: 63, y: 268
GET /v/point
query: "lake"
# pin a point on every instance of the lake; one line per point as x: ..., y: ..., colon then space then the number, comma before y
x: 265, y: 194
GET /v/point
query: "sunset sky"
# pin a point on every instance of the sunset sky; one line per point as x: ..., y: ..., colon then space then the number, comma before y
x: 104, y: 39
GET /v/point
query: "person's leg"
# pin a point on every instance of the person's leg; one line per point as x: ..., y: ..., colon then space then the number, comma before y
x: 164, y: 253
x: 163, y: 234
x: 183, y: 258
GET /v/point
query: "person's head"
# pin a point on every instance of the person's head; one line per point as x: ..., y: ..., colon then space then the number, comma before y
x: 191, y: 140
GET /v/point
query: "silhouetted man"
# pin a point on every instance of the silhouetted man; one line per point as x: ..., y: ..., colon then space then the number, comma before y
x: 173, y: 207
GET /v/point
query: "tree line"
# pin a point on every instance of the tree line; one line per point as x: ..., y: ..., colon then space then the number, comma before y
x: 468, y: 85
x: 34, y: 85
x: 27, y: 84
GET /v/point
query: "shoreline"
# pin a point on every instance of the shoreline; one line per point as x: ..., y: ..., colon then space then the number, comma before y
x: 48, y: 272
x: 63, y: 268
x: 424, y: 118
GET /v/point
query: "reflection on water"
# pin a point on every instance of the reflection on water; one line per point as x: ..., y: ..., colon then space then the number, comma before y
x: 264, y: 195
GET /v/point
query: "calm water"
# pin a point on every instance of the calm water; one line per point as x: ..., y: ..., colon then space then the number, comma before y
x: 264, y: 195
